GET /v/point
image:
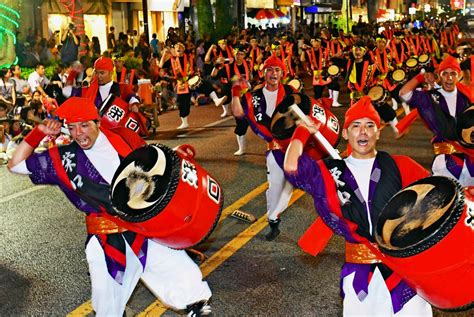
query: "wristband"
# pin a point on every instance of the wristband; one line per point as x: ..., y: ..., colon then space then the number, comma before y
x: 34, y: 137
x: 236, y: 91
x: 420, y: 78
x: 301, y: 133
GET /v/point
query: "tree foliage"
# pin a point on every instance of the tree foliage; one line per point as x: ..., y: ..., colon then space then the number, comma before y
x: 205, y: 18
x: 223, y: 18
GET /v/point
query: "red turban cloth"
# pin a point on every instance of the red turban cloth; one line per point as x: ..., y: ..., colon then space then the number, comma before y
x: 362, y: 109
x: 273, y: 61
x: 449, y: 62
x: 104, y: 63
x: 77, y: 109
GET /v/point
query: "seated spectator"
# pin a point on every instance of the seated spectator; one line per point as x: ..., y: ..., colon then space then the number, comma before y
x: 7, y: 87
x: 37, y: 80
x: 22, y: 88
x: 3, y: 110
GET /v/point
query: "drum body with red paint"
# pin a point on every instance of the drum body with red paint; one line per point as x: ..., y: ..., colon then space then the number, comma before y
x: 166, y: 195
x: 426, y: 233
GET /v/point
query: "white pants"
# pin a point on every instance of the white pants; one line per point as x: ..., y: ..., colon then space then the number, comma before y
x: 378, y: 301
x: 439, y: 169
x: 169, y: 274
x: 279, y: 189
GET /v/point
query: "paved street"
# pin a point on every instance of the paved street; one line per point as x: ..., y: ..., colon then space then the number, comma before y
x: 43, y: 270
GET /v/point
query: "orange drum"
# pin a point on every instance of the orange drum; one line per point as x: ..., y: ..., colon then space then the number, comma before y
x: 167, y: 196
x: 114, y: 112
x: 283, y: 125
x: 426, y: 233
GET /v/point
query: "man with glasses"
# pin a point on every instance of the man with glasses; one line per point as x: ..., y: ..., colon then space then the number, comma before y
x: 440, y: 109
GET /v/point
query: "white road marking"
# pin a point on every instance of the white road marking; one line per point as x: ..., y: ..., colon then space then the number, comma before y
x: 21, y: 193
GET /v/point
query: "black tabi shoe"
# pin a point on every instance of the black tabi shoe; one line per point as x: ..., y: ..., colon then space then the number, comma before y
x: 274, y: 231
x: 198, y: 309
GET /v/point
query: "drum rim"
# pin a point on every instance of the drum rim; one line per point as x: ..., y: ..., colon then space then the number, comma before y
x: 158, y: 208
x: 432, y: 240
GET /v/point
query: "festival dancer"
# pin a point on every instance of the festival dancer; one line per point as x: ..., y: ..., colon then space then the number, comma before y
x: 181, y: 66
x: 360, y: 77
x: 349, y: 195
x: 118, y: 258
x: 102, y: 86
x: 440, y: 109
x: 258, y: 107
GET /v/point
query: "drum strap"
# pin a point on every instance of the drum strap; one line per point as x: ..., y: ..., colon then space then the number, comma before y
x: 246, y: 68
x: 398, y: 55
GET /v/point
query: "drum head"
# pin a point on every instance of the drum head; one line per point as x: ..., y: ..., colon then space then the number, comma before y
x: 194, y: 80
x: 419, y: 216
x: 376, y: 93
x: 465, y: 127
x: 411, y: 62
x: 283, y: 122
x: 295, y: 83
x: 145, y: 182
x: 423, y: 58
x: 333, y: 70
x: 398, y: 75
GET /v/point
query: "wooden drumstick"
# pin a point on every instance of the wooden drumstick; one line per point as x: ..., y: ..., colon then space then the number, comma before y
x: 325, y: 143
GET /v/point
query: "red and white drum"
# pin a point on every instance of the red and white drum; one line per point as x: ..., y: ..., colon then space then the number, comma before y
x: 284, y: 124
x: 115, y: 112
x: 426, y: 233
x: 166, y: 195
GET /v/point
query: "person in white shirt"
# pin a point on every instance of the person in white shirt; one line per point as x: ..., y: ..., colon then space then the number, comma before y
x: 37, y: 80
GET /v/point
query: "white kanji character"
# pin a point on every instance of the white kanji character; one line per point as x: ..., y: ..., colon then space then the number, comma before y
x: 67, y: 161
x: 190, y: 174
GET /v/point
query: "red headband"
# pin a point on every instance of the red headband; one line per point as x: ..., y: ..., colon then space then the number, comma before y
x: 449, y: 62
x: 104, y: 63
x: 77, y: 109
x: 361, y: 109
x: 273, y: 61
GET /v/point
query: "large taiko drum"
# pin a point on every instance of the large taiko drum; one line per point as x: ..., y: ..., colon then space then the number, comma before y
x: 465, y: 127
x: 426, y: 232
x: 114, y: 112
x: 166, y: 195
x: 283, y: 125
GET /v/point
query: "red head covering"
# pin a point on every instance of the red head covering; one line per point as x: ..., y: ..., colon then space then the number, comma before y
x: 104, y: 63
x: 77, y: 109
x: 273, y: 61
x: 449, y: 62
x: 362, y: 109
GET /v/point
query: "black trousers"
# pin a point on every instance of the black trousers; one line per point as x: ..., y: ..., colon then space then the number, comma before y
x: 241, y: 127
x: 184, y: 104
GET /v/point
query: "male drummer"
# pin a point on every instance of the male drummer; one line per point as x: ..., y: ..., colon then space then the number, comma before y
x: 181, y: 66
x: 104, y: 69
x: 221, y: 55
x: 349, y: 195
x: 117, y: 258
x: 258, y: 107
x: 361, y: 76
x: 103, y: 86
x: 440, y: 109
x: 315, y: 56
